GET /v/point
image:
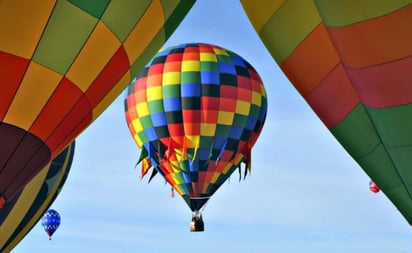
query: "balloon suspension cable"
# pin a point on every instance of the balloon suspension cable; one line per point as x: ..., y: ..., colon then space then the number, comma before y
x: 204, y: 206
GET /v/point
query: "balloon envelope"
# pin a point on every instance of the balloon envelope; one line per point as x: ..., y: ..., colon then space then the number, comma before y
x: 374, y: 187
x: 351, y: 61
x: 196, y: 111
x: 20, y: 214
x: 61, y: 64
x: 50, y: 221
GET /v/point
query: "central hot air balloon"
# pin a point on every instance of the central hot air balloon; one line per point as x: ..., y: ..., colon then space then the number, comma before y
x: 61, y: 64
x: 351, y: 60
x: 196, y: 111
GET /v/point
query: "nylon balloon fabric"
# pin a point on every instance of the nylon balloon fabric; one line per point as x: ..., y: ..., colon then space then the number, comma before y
x: 61, y: 64
x: 351, y: 61
x: 196, y: 111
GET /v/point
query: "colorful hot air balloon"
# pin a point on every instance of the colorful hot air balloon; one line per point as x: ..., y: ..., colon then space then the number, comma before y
x: 374, y: 187
x: 196, y: 111
x: 50, y: 222
x: 61, y: 64
x: 351, y: 60
x: 20, y: 214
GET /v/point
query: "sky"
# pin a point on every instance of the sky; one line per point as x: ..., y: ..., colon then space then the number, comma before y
x: 305, y: 193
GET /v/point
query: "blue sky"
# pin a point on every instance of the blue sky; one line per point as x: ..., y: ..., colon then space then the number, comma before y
x: 305, y: 193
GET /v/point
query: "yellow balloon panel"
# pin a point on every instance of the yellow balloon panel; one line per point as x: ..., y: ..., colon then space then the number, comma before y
x: 23, y: 22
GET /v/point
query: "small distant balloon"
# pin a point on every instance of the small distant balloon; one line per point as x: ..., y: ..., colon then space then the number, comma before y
x: 50, y: 222
x: 374, y: 187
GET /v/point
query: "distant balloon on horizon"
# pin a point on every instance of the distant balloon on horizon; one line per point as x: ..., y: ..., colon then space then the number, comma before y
x: 50, y: 222
x: 374, y: 187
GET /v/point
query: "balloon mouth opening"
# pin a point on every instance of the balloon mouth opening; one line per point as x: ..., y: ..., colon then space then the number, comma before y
x: 196, y: 203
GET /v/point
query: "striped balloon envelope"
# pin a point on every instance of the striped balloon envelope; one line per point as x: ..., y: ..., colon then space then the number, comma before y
x: 61, y: 64
x: 351, y: 60
x: 20, y: 214
x: 196, y: 111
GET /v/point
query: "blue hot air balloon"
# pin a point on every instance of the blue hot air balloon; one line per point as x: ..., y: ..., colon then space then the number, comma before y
x: 50, y: 222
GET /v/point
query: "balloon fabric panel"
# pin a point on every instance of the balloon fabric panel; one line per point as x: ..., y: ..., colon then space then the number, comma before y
x: 21, y: 41
x: 61, y: 64
x: 360, y: 84
x: 343, y: 13
x: 17, y: 147
x: 379, y: 31
x: 196, y: 111
x: 70, y: 27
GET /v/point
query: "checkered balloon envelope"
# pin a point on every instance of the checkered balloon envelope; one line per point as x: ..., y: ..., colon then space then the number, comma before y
x: 195, y: 112
x: 50, y: 222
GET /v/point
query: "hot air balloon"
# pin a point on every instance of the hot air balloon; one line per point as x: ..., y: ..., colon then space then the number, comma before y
x: 50, y: 222
x: 374, y: 187
x: 61, y: 64
x: 351, y: 61
x: 20, y: 214
x: 195, y: 112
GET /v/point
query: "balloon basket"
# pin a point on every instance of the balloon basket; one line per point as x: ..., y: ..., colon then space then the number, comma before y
x: 197, y: 224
